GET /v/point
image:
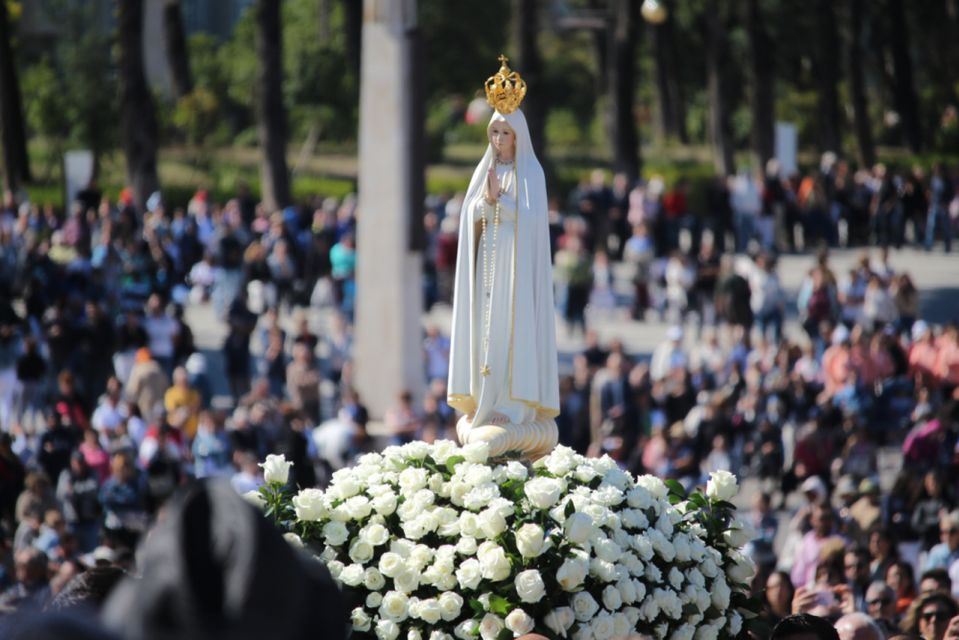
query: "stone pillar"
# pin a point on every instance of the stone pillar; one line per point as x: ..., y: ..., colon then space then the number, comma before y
x: 388, y: 341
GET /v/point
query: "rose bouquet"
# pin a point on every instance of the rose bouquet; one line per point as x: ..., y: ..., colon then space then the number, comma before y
x: 437, y: 542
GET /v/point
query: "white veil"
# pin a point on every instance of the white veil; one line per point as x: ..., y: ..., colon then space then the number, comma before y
x: 533, y: 381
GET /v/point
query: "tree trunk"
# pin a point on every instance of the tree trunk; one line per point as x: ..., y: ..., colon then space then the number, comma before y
x: 857, y: 89
x: 137, y: 111
x: 719, y: 129
x: 529, y: 63
x: 761, y: 98
x: 672, y: 106
x: 827, y: 77
x: 907, y: 103
x: 176, y: 50
x: 16, y: 162
x: 270, y: 111
x: 623, y: 32
x: 325, y: 11
x: 354, y: 33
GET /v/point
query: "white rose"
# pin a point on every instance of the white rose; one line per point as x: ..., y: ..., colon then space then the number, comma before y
x: 344, y: 484
x: 480, y: 496
x: 572, y: 573
x: 516, y: 470
x: 478, y: 474
x: 529, y: 586
x: 450, y: 605
x: 407, y: 581
x: 476, y: 452
x: 605, y: 571
x: 374, y: 599
x: 361, y: 619
x: 352, y: 575
x: 685, y: 632
x: 653, y: 574
x: 335, y: 533
x: 639, y: 498
x: 543, y: 492
x: 530, y: 540
x: 612, y: 599
x: 585, y: 473
x: 519, y: 622
x: 439, y: 635
x: 491, y: 625
x: 675, y: 578
x: 375, y: 534
x: 443, y: 450
x: 621, y: 626
x: 607, y: 550
x: 413, y: 479
x: 469, y: 574
x: 708, y: 568
x: 466, y: 546
x: 743, y: 569
x: 737, y: 537
x: 385, y: 504
x: 492, y: 523
x: 391, y: 564
x: 603, y: 626
x: 720, y: 593
x: 653, y: 485
x: 414, y: 634
x: 560, y: 620
x: 494, y: 565
x: 584, y: 606
x: 578, y: 528
x: 387, y: 630
x: 561, y: 461
x: 632, y: 616
x: 627, y: 592
x: 361, y: 551
x: 373, y: 580
x: 420, y: 556
x: 335, y: 568
x: 416, y: 450
x: 583, y: 632
x: 430, y: 611
x: 395, y: 606
x: 466, y: 630
x: 309, y: 505
x: 276, y: 469
x: 643, y: 547
x: 721, y: 486
x: 608, y: 495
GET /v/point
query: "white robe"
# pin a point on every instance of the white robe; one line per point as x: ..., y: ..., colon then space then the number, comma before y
x: 523, y: 380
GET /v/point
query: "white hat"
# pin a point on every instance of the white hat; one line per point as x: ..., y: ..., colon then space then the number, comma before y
x: 919, y: 329
x: 840, y: 334
x: 814, y: 484
x: 674, y: 333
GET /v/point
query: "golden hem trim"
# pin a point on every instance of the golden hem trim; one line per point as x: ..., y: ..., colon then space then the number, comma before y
x: 467, y: 404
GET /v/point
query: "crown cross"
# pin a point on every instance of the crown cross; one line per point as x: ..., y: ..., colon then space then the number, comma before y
x: 505, y: 90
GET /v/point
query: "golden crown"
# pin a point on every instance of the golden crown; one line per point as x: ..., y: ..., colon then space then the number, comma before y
x: 506, y: 90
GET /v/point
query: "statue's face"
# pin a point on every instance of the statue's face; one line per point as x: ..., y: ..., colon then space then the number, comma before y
x: 503, y: 139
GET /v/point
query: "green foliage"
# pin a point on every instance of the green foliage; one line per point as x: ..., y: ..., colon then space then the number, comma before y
x: 70, y: 95
x: 197, y: 114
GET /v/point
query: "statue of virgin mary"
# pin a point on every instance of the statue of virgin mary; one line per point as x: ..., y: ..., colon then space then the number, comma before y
x: 503, y: 370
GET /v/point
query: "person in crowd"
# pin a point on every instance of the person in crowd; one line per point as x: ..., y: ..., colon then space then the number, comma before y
x: 928, y: 617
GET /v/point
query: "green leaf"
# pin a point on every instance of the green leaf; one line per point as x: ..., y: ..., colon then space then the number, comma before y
x: 505, y: 634
x: 499, y: 605
x: 570, y: 509
x: 477, y: 607
x: 675, y: 488
x: 452, y: 461
x: 674, y: 499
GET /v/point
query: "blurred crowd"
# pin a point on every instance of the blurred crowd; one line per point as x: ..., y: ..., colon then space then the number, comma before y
x: 107, y: 407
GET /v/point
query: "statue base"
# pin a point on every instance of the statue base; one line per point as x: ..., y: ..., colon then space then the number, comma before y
x: 530, y: 440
